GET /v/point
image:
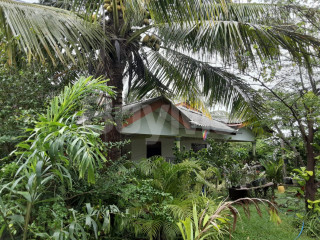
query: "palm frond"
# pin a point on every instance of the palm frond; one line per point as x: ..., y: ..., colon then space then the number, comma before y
x: 243, y: 42
x: 51, y: 33
x: 186, y: 11
x: 148, y: 85
x: 191, y: 78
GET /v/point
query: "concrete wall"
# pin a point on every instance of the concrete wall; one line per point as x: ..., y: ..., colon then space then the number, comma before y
x: 243, y: 135
x: 186, y: 142
x: 138, y: 145
x: 138, y: 148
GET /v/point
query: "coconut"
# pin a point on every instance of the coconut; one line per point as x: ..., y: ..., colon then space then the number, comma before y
x: 156, y: 47
x: 153, y: 38
x: 149, y: 44
x: 106, y: 6
x: 118, y: 7
x: 107, y: 1
x: 158, y: 41
x: 146, y: 39
x: 146, y: 21
x: 110, y: 9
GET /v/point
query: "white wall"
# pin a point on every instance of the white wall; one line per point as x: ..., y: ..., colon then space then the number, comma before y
x: 186, y: 142
x: 138, y: 148
x: 139, y: 145
x: 243, y: 135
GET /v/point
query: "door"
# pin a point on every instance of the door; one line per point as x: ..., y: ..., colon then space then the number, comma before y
x: 153, y: 149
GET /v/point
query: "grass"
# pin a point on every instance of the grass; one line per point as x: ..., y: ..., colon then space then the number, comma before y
x: 261, y: 228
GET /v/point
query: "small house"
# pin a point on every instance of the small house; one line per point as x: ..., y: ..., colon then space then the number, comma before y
x: 156, y: 125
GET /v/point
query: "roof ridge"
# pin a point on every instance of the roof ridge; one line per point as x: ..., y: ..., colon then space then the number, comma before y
x: 141, y: 101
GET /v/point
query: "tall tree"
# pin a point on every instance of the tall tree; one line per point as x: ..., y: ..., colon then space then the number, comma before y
x: 292, y: 100
x: 183, y: 40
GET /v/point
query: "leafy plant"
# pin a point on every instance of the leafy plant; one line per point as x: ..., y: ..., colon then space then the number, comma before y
x: 57, y: 136
x: 25, y: 90
x: 205, y: 225
x: 57, y: 145
x: 155, y: 194
x: 311, y: 219
x: 234, y: 175
x: 302, y: 175
x: 273, y: 170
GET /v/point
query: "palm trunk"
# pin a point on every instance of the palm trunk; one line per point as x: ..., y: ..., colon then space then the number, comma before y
x: 112, y: 132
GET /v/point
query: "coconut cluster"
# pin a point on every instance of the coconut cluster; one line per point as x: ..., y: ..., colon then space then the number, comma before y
x: 108, y: 6
x: 151, y: 42
x: 147, y: 16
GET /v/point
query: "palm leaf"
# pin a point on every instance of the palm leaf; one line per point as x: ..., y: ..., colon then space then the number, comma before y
x: 240, y: 41
x: 192, y: 78
x: 51, y: 33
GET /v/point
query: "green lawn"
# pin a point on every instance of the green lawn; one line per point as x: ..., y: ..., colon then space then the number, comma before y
x: 257, y: 228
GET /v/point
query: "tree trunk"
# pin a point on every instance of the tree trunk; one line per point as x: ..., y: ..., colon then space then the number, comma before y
x: 112, y: 67
x: 293, y: 148
x: 311, y: 188
x: 112, y: 132
x: 284, y: 166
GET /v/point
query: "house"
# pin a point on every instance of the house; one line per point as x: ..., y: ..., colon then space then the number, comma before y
x: 156, y: 125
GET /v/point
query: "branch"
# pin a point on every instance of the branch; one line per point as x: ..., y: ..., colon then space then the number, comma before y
x: 80, y: 194
x: 294, y: 113
x: 293, y: 148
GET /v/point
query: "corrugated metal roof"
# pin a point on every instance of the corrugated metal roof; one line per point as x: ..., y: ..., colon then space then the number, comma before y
x: 199, y: 120
x: 196, y: 119
x: 222, y: 116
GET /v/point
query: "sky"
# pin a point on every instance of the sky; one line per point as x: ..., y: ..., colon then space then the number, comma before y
x: 30, y: 1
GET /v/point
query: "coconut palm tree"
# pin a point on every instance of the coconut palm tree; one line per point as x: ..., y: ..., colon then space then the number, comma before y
x: 158, y: 46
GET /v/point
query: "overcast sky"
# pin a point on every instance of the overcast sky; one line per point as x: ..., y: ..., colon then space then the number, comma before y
x: 30, y: 1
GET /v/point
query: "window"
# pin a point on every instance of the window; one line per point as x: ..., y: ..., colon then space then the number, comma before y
x: 153, y: 149
x: 196, y: 147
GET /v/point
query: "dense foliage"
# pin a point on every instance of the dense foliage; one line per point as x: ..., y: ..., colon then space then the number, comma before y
x: 55, y: 149
x: 23, y: 94
x: 58, y: 185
